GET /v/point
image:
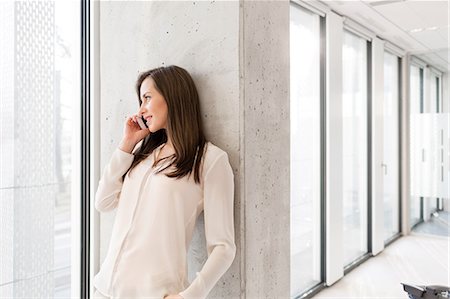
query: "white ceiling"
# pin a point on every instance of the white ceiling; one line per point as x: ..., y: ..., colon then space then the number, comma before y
x: 419, y: 27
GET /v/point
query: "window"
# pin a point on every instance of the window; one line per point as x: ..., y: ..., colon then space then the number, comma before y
x: 435, y: 108
x: 355, y: 161
x: 391, y: 183
x: 416, y: 107
x: 40, y: 94
x: 305, y: 110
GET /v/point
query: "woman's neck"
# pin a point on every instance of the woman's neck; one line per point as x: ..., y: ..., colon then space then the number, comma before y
x: 168, y: 145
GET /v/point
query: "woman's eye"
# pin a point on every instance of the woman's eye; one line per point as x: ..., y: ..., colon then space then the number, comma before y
x: 147, y: 98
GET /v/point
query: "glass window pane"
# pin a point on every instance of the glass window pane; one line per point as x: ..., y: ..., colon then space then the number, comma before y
x: 416, y: 107
x: 438, y: 110
x: 438, y: 94
x: 40, y: 90
x: 305, y: 149
x: 354, y: 113
x: 434, y: 106
x: 391, y: 146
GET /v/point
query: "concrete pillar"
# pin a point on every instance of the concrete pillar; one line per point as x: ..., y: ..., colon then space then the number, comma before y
x: 265, y: 140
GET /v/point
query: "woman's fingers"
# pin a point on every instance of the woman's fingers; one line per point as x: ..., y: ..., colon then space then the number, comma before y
x: 133, y: 122
x: 135, y: 116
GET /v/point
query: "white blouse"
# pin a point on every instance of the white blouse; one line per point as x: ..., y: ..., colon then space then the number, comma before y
x: 154, y: 223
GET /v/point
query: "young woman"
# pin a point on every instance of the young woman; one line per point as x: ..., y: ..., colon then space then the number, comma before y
x: 160, y: 179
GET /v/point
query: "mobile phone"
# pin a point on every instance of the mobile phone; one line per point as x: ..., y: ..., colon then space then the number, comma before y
x: 142, y: 122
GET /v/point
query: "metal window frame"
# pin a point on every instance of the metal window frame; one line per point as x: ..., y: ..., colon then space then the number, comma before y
x: 357, y: 29
x: 369, y: 146
x: 394, y: 49
x: 414, y: 60
x: 313, y: 6
x: 400, y: 131
x: 85, y: 151
x: 438, y: 110
x: 323, y: 154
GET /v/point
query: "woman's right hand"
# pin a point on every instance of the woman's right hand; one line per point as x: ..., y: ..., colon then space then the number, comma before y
x: 132, y: 133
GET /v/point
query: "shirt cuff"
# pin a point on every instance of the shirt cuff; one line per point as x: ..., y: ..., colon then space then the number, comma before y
x: 196, y: 290
x: 124, y: 153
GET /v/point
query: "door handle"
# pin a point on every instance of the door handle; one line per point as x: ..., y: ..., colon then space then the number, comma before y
x: 385, y: 168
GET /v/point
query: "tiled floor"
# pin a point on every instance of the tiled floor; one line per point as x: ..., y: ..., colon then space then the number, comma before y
x: 415, y: 259
x: 437, y: 225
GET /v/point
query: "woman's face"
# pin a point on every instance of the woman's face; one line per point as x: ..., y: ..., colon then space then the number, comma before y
x: 153, y: 107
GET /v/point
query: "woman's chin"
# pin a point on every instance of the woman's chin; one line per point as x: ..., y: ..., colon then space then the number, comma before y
x: 152, y: 129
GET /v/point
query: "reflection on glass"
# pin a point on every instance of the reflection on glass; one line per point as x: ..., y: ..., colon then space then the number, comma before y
x: 435, y: 88
x: 434, y: 108
x: 434, y: 105
x: 305, y: 149
x: 354, y: 113
x: 391, y: 146
x: 416, y: 107
x: 40, y: 90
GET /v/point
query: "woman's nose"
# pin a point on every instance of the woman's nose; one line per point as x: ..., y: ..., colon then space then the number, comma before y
x: 141, y: 110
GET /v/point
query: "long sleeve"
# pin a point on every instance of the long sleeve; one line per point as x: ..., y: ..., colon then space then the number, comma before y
x: 219, y: 228
x: 110, y: 184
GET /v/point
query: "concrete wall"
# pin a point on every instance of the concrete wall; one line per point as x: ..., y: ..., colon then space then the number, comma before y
x: 266, y: 148
x: 238, y: 55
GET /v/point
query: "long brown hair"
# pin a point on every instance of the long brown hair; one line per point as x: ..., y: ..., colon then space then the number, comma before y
x: 184, y: 123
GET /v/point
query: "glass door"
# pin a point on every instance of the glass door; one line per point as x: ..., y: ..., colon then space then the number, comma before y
x: 391, y: 154
x: 355, y: 147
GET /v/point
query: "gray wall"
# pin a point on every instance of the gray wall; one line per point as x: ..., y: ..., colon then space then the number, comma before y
x: 238, y: 55
x: 266, y: 148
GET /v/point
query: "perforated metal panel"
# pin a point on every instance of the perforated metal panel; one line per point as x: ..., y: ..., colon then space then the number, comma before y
x: 39, y: 87
x: 34, y: 148
x: 6, y: 146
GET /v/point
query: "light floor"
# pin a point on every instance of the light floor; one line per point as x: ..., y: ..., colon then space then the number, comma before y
x: 415, y: 259
x: 438, y: 224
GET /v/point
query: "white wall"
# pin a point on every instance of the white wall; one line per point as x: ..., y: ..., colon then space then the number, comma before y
x: 334, y: 226
x: 378, y: 103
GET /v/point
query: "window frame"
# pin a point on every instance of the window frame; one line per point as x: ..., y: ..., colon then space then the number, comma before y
x: 85, y: 198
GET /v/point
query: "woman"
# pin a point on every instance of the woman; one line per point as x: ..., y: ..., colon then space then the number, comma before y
x: 159, y: 189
